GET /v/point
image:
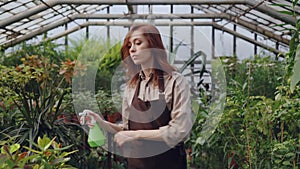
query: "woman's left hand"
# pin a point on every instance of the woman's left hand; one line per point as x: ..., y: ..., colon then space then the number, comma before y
x: 125, y: 136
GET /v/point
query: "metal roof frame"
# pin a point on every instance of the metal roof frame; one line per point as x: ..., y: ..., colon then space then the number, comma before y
x: 23, y: 20
x: 61, y: 22
x: 174, y: 23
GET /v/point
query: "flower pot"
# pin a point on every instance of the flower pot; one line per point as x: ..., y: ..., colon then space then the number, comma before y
x: 113, y: 117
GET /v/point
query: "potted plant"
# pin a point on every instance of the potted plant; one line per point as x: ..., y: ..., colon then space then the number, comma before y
x: 107, y: 106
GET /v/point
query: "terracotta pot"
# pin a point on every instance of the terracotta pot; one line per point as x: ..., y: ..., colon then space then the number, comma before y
x: 66, y: 118
x: 75, y: 119
x: 113, y: 117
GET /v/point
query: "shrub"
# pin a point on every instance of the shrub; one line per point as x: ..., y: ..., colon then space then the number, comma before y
x: 48, y: 154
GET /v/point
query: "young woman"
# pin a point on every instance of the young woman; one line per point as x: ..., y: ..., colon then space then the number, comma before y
x: 156, y: 109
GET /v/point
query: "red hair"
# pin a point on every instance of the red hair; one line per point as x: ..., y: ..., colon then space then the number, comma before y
x: 153, y: 36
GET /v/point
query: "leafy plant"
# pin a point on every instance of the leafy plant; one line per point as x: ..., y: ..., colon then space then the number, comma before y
x: 207, y: 108
x: 293, y: 56
x: 35, y: 95
x: 105, y: 102
x: 260, y: 75
x: 100, y: 59
x: 107, y: 67
x: 36, y: 90
x: 11, y: 156
x: 48, y: 155
x: 257, y: 129
x: 46, y: 49
x: 295, y: 78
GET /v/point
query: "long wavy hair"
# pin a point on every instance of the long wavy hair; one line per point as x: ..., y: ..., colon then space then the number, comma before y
x: 159, y: 55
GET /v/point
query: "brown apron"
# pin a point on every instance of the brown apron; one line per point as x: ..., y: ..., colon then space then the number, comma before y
x: 150, y: 115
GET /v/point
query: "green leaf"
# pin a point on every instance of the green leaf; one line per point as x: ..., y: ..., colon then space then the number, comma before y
x: 10, y: 163
x: 295, y: 2
x: 282, y: 5
x: 277, y: 161
x: 59, y: 161
x: 49, y: 143
x: 192, y: 59
x: 296, y: 69
x: 172, y: 57
x: 63, y: 148
x: 287, y: 163
x: 290, y: 155
x: 36, y: 166
x: 30, y: 149
x: 44, y: 142
x: 64, y: 154
x: 287, y: 12
x: 14, y: 148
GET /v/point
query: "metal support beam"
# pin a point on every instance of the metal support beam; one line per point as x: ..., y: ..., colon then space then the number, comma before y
x: 214, y: 26
x: 273, y: 13
x: 66, y: 39
x: 255, y: 46
x: 61, y: 22
x: 246, y: 38
x: 146, y: 16
x: 108, y: 27
x: 192, y: 66
x: 192, y: 35
x: 277, y: 47
x: 226, y: 16
x: 32, y: 11
x: 213, y: 40
x: 124, y: 23
x: 150, y: 2
x: 87, y: 31
x: 171, y: 31
x: 234, y: 41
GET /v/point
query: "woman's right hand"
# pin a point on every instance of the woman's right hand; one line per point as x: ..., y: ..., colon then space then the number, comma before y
x: 90, y: 118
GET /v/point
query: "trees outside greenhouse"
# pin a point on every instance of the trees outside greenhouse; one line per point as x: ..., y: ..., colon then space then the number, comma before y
x: 242, y: 59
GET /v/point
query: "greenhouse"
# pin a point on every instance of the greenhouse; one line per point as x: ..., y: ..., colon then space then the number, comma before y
x: 63, y: 62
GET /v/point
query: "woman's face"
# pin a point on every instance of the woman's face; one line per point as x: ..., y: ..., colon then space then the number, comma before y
x: 139, y: 49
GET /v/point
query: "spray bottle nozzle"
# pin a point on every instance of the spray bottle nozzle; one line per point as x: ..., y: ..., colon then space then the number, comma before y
x: 84, y: 113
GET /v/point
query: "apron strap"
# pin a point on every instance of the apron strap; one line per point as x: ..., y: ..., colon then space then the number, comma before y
x: 161, y: 85
x: 137, y: 89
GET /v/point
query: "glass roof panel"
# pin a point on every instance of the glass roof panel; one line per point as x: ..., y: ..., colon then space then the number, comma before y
x: 10, y: 6
x: 30, y: 21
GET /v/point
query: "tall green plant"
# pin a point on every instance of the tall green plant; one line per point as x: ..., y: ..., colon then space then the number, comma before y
x: 294, y: 53
x: 100, y: 58
x: 36, y: 99
x: 107, y: 67
x: 295, y: 78
x: 260, y: 75
x: 208, y: 105
x: 257, y: 130
x: 293, y: 56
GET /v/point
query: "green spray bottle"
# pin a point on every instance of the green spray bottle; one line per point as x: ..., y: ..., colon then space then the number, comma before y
x: 96, y: 137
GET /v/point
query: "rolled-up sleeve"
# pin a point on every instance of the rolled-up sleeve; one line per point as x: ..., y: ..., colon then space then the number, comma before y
x: 125, y: 109
x: 180, y: 125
